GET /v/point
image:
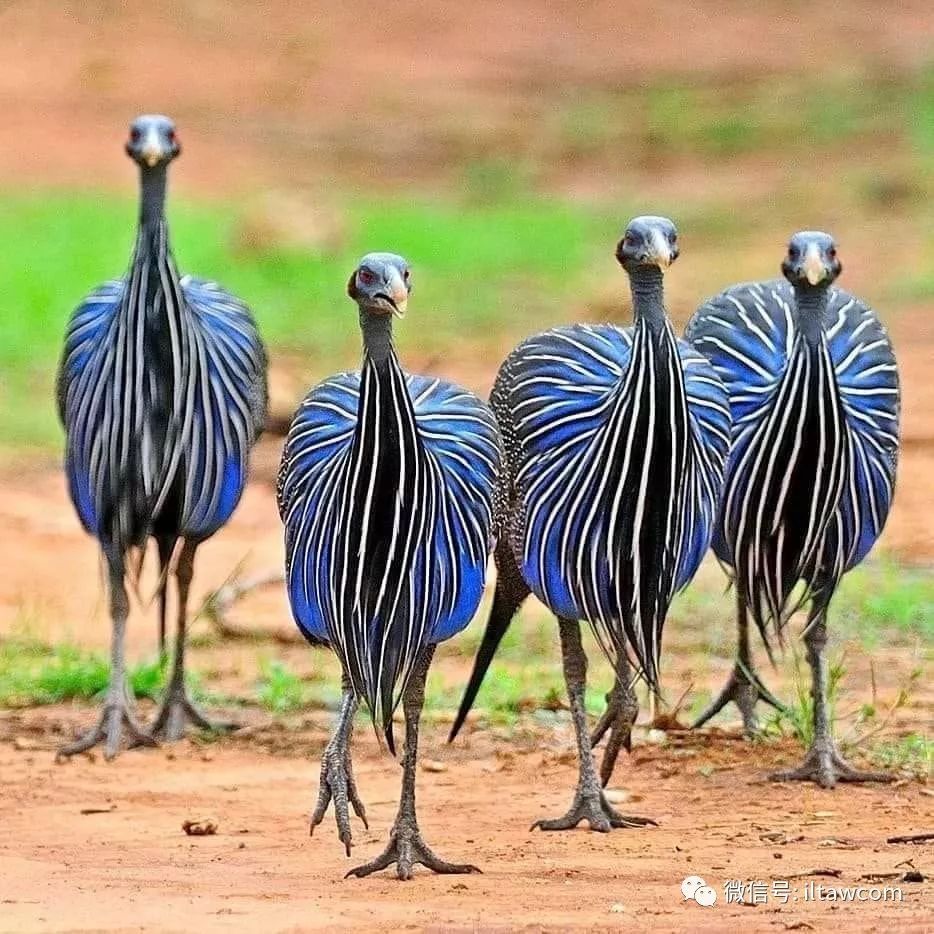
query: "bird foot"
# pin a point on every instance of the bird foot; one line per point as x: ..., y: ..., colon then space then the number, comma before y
x: 618, y: 718
x: 594, y: 808
x: 115, y: 719
x: 824, y: 765
x: 177, y: 711
x: 337, y: 783
x: 407, y: 849
x: 744, y: 689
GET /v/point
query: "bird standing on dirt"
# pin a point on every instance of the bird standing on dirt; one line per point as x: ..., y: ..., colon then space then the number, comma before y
x: 814, y: 393
x: 615, y: 444
x: 162, y: 393
x: 386, y: 492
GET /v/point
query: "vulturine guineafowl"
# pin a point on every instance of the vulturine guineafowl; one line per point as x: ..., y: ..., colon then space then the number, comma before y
x: 386, y: 492
x: 814, y: 393
x: 162, y: 393
x: 615, y: 445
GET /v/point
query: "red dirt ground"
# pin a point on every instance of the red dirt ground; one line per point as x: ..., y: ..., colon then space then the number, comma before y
x: 132, y: 867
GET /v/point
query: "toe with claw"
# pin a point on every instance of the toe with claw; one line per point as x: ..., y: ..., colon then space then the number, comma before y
x: 337, y: 783
x: 407, y: 849
x: 617, y: 720
x: 597, y: 811
x: 177, y: 712
x: 825, y: 766
x: 115, y: 722
x: 745, y: 690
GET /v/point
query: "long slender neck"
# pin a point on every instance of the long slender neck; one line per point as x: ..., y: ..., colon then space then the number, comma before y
x: 648, y: 296
x: 377, y: 337
x: 811, y: 303
x: 152, y: 202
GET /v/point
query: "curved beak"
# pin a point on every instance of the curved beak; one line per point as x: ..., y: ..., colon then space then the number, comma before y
x: 813, y: 265
x: 151, y: 150
x: 660, y: 250
x: 399, y: 293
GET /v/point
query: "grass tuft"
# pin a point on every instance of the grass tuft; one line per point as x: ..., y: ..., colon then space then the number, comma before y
x: 32, y: 674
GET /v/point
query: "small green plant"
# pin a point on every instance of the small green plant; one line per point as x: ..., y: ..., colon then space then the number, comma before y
x: 913, y: 753
x: 281, y: 690
x: 797, y: 717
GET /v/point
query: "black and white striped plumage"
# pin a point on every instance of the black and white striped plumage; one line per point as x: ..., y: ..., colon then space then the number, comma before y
x: 811, y: 474
x: 619, y: 438
x: 386, y: 492
x: 162, y: 393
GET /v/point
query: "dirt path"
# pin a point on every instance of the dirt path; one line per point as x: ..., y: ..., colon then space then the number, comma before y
x: 132, y: 868
x: 293, y: 92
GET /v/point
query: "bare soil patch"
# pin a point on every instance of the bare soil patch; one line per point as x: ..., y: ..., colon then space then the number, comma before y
x: 127, y: 864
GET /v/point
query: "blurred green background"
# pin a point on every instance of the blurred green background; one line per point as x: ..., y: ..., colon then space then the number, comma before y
x: 500, y: 149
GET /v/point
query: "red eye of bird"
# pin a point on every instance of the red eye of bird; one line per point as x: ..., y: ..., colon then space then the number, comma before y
x: 135, y: 134
x: 832, y: 253
x: 171, y: 135
x: 366, y: 277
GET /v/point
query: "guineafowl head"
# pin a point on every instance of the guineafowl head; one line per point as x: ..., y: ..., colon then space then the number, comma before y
x: 648, y: 241
x: 153, y: 141
x: 811, y: 260
x: 381, y: 284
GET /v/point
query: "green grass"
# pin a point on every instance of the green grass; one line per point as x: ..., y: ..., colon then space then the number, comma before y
x: 279, y: 690
x: 32, y: 673
x: 480, y: 263
x: 881, y: 600
x: 913, y: 753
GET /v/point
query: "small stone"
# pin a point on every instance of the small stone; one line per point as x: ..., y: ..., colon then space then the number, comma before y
x: 656, y: 737
x: 617, y: 908
x: 202, y: 827
x: 23, y: 743
x: 433, y: 765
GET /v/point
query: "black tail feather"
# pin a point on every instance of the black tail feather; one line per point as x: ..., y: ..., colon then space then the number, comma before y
x: 511, y: 591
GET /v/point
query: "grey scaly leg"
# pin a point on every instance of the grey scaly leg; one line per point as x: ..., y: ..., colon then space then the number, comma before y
x: 337, y: 779
x: 622, y: 708
x: 177, y: 710
x: 589, y: 803
x: 744, y: 687
x: 117, y: 713
x: 823, y: 763
x: 406, y: 847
